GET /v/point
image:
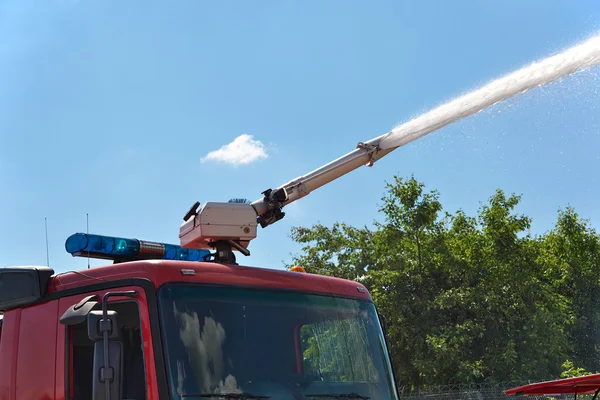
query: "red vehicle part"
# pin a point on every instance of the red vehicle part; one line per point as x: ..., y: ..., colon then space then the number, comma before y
x: 589, y: 384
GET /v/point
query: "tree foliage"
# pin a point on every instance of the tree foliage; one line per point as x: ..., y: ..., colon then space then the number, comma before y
x: 470, y: 298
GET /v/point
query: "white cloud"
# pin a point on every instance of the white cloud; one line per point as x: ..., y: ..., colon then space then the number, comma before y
x: 243, y: 150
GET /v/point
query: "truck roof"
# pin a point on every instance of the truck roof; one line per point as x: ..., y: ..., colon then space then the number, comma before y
x: 159, y: 272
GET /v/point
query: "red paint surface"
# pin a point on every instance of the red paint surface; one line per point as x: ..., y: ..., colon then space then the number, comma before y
x: 8, y: 350
x: 151, y: 385
x: 580, y: 385
x: 69, y: 331
x: 36, y: 352
x: 159, y: 272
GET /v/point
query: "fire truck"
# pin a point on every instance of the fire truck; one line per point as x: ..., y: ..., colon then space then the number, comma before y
x: 182, y: 321
x: 187, y: 321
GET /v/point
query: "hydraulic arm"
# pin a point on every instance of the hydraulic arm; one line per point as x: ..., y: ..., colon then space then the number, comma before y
x: 268, y: 208
x: 228, y: 226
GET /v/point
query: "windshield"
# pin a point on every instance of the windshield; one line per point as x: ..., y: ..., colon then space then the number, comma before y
x: 285, y: 345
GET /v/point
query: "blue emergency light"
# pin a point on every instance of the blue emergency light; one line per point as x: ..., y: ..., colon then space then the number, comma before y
x: 121, y: 249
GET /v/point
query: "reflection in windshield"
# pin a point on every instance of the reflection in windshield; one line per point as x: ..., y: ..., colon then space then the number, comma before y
x: 205, y: 353
x: 278, y: 344
x: 336, y: 350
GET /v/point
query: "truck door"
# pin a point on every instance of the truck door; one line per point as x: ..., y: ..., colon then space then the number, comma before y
x: 75, y: 366
x: 27, y: 348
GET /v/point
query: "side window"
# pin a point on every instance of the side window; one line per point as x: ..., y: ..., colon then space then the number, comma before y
x: 81, y: 356
x: 337, y: 350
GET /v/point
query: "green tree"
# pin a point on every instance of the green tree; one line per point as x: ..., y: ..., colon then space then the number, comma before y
x: 571, y: 258
x: 467, y: 298
x: 569, y: 370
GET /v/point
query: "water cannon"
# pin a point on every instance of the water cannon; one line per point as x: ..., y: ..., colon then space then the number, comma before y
x: 219, y: 225
x: 231, y: 226
x: 228, y: 227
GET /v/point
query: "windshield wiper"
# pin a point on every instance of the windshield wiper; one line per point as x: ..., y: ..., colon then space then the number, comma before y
x: 241, y: 396
x: 341, y: 395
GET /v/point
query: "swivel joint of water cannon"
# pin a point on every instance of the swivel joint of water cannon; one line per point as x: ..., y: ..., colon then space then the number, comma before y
x: 274, y: 199
x: 371, y: 149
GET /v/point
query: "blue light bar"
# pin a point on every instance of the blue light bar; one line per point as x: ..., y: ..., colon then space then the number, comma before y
x: 121, y: 249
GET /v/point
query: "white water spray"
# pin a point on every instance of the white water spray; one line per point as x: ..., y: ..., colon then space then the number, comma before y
x: 579, y: 57
x: 268, y: 207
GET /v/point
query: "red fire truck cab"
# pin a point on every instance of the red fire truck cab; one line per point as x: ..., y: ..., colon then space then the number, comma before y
x: 160, y: 328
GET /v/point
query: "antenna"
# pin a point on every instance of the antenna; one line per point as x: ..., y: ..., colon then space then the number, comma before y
x: 87, y: 223
x: 47, y: 252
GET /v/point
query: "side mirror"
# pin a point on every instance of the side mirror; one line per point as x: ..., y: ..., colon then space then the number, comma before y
x: 107, y: 381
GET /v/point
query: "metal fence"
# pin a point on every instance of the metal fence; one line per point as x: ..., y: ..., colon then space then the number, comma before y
x: 486, y: 391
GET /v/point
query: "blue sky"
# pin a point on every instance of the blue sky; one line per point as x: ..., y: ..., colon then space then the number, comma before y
x: 108, y: 107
